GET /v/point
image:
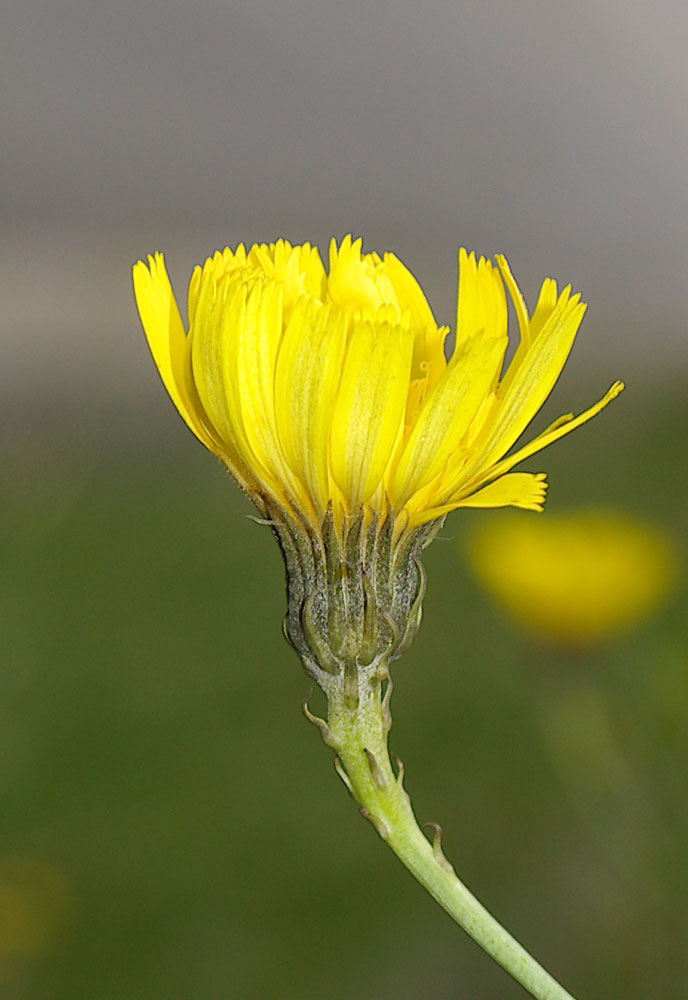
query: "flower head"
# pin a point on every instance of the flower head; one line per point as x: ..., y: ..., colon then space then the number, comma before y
x: 321, y: 389
x: 329, y: 398
x: 578, y: 577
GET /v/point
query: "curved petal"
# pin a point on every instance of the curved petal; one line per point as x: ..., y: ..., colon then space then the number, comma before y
x: 564, y: 425
x: 533, y: 380
x: 525, y: 490
x: 481, y: 304
x: 369, y: 407
x: 306, y: 380
x: 167, y: 341
x: 350, y: 284
x: 517, y: 299
x: 518, y: 489
x: 219, y: 313
x: 446, y: 415
x: 408, y: 292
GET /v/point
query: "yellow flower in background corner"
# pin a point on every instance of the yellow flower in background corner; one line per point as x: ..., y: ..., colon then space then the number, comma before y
x: 320, y: 389
x: 576, y: 578
x: 36, y: 908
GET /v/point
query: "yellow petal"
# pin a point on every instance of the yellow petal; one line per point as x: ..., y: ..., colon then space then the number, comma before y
x: 408, y: 292
x: 369, y: 408
x: 311, y: 265
x: 306, y: 381
x: 481, y: 301
x: 230, y: 332
x: 298, y: 269
x: 546, y: 304
x: 164, y: 331
x: 519, y: 489
x: 517, y: 299
x: 259, y: 341
x: 447, y: 414
x: 256, y: 359
x: 533, y: 381
x: 350, y: 283
x: 192, y: 294
x: 428, y: 350
x: 564, y: 425
x: 211, y: 349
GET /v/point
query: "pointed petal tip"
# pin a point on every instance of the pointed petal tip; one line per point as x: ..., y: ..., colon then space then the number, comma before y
x: 149, y: 266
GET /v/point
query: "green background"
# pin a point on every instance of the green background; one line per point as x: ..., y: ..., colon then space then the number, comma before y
x: 173, y: 829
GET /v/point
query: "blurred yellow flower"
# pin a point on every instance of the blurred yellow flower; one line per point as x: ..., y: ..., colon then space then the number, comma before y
x: 578, y: 577
x: 35, y: 906
x: 332, y: 390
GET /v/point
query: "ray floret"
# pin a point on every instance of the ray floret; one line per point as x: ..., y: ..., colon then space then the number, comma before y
x: 331, y: 389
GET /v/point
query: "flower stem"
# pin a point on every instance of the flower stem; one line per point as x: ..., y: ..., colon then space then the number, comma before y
x: 358, y: 734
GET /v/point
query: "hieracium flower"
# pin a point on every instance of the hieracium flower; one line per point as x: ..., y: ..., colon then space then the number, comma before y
x: 577, y: 578
x: 328, y: 396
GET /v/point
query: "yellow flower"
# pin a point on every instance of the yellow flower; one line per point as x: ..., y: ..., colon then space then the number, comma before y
x: 320, y: 389
x: 575, y: 578
x: 36, y: 907
x: 329, y: 398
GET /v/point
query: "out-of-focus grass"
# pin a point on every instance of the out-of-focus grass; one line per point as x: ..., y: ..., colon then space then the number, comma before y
x: 171, y: 826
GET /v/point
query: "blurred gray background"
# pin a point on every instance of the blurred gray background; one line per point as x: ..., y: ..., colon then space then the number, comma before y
x: 553, y: 132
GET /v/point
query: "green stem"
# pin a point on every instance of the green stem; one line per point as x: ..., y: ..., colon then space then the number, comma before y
x: 358, y: 734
